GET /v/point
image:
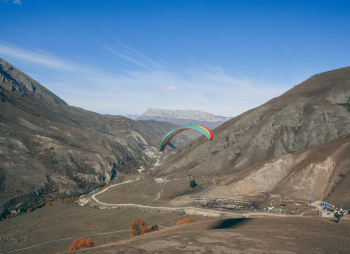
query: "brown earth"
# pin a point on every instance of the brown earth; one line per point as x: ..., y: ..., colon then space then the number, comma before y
x: 241, y: 235
x: 52, y: 229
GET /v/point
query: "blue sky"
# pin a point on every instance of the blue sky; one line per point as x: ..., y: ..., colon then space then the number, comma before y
x: 223, y: 57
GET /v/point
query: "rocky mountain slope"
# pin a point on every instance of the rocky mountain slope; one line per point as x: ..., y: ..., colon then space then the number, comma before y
x: 182, y: 117
x: 15, y: 81
x: 49, y: 149
x: 318, y: 173
x: 265, y: 149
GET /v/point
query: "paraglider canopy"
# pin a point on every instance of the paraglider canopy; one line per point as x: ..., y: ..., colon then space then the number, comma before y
x: 172, y: 133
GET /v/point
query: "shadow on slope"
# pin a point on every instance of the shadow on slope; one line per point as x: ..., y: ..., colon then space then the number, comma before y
x: 230, y: 223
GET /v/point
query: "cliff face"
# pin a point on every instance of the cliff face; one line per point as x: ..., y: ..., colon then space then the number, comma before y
x: 308, y: 115
x: 182, y: 117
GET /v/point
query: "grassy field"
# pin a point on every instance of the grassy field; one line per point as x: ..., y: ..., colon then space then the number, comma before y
x: 292, y: 235
x: 52, y: 229
x: 140, y: 192
x: 146, y: 190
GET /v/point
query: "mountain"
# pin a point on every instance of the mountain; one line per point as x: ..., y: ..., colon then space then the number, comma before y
x: 182, y: 117
x: 13, y: 80
x: 294, y: 146
x: 50, y: 150
x: 291, y: 150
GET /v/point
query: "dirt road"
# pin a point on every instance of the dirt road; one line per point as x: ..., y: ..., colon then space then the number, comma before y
x: 187, y: 209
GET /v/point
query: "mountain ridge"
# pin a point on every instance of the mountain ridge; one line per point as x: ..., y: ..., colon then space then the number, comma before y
x: 15, y: 81
x: 291, y: 150
x: 310, y: 114
x: 50, y: 149
x: 181, y: 117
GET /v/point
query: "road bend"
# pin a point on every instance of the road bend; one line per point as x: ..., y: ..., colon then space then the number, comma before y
x: 247, y: 215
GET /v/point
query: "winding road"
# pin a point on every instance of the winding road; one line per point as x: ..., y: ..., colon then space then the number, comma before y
x: 141, y: 206
x: 246, y: 215
x: 98, y: 193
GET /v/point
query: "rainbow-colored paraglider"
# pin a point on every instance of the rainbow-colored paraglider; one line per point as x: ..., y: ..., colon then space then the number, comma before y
x: 172, y: 133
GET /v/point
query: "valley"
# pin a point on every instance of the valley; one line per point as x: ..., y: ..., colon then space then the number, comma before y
x: 33, y: 232
x: 195, y: 127
x: 66, y: 172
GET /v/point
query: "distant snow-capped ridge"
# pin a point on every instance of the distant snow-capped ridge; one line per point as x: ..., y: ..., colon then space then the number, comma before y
x: 181, y: 117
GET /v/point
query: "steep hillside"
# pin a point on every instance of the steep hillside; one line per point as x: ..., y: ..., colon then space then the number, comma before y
x: 310, y: 114
x: 182, y: 117
x: 15, y: 81
x: 318, y: 173
x: 49, y: 149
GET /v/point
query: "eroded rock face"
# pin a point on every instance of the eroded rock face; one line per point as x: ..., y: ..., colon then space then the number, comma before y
x: 314, y: 174
x: 310, y: 114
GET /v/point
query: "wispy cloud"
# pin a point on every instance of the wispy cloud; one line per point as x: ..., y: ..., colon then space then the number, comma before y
x: 14, y: 1
x: 127, y: 58
x: 172, y: 88
x: 205, y: 87
x: 38, y: 57
x: 135, y: 52
x: 131, y: 55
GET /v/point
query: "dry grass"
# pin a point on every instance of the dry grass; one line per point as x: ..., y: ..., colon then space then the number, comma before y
x: 260, y: 235
x: 54, y: 228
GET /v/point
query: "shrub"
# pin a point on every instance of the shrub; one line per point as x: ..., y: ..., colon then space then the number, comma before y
x: 185, y: 221
x: 81, y: 243
x: 154, y: 228
x: 139, y: 227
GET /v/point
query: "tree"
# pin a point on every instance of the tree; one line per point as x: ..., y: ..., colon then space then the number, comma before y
x: 185, y: 221
x: 139, y: 227
x: 81, y: 243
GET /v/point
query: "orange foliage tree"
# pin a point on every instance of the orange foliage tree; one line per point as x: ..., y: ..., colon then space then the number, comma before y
x: 185, y: 221
x: 81, y: 243
x: 139, y: 227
